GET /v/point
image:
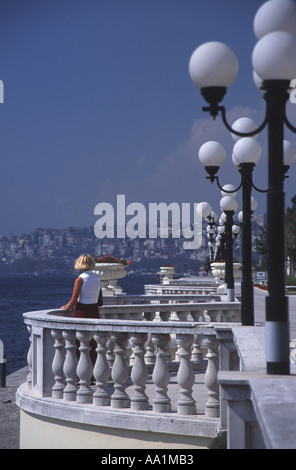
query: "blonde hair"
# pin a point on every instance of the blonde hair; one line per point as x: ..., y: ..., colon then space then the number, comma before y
x: 84, y: 263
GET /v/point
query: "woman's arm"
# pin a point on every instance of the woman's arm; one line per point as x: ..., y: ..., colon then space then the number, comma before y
x: 76, y: 292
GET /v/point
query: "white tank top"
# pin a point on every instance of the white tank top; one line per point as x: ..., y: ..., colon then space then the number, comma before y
x: 90, y: 288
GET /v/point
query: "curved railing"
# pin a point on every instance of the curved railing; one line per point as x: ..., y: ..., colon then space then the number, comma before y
x: 148, y: 359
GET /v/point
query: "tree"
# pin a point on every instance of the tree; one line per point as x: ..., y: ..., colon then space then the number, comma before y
x: 260, y: 244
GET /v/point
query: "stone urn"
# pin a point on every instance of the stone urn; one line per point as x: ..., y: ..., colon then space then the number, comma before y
x: 168, y: 273
x: 218, y: 271
x: 109, y: 274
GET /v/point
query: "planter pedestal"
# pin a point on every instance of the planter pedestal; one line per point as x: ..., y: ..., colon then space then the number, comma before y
x: 168, y: 272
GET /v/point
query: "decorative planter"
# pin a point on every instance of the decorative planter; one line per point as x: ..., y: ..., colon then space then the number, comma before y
x: 168, y: 273
x: 109, y: 274
x: 218, y: 270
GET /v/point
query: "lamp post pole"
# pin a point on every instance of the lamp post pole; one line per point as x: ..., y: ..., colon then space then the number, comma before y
x: 211, y: 233
x: 277, y: 322
x: 247, y: 289
x: 229, y: 279
x: 228, y: 205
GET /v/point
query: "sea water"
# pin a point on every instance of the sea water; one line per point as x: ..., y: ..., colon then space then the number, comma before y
x: 26, y: 293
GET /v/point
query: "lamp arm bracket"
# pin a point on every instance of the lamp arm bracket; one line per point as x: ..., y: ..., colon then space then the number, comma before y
x: 224, y: 190
x: 241, y: 134
x: 259, y: 190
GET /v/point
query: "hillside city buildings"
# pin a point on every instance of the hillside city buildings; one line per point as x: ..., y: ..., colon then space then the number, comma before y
x: 66, y: 244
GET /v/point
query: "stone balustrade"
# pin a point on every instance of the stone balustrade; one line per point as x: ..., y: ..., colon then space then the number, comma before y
x: 164, y: 298
x: 56, y: 370
x: 195, y: 281
x: 138, y: 349
x: 148, y: 360
x: 191, y: 311
x: 181, y: 288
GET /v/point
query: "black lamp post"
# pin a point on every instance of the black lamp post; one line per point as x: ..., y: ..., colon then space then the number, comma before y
x: 211, y: 233
x: 229, y: 278
x: 228, y: 206
x: 213, y: 67
x: 247, y: 288
x: 246, y: 154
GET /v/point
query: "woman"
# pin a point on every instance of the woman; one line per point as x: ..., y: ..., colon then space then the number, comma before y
x: 86, y: 290
x: 85, y: 296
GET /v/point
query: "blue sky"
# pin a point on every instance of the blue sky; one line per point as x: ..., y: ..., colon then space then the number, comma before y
x: 98, y: 102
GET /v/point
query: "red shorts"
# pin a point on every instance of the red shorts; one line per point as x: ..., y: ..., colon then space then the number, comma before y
x: 86, y: 311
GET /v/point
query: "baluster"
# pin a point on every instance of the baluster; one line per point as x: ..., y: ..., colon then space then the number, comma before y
x: 196, y: 354
x: 84, y: 368
x: 211, y: 376
x: 164, y: 316
x: 148, y: 316
x: 215, y: 315
x: 182, y: 316
x: 185, y: 376
x: 150, y: 354
x: 57, y: 364
x: 101, y: 370
x: 110, y: 353
x: 70, y: 366
x: 207, y: 315
x: 29, y: 358
x: 139, y: 374
x: 198, y: 314
x: 120, y: 372
x: 161, y: 376
x: 229, y: 315
x: 131, y: 359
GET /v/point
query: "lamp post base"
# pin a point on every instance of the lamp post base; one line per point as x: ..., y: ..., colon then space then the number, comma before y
x: 277, y: 368
x: 277, y: 347
x: 230, y: 297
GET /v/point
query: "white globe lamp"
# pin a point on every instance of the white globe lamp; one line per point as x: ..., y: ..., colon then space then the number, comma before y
x: 275, y: 15
x: 247, y: 150
x: 274, y: 56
